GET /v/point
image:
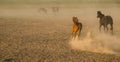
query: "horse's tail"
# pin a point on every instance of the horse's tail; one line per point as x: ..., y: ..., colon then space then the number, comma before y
x: 110, y: 20
x: 80, y: 26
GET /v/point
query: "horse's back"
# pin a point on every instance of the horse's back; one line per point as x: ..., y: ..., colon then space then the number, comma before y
x: 80, y: 25
x: 109, y: 19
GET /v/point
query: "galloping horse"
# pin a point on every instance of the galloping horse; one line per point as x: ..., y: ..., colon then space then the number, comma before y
x: 105, y: 21
x: 42, y: 10
x: 77, y: 27
x: 55, y: 9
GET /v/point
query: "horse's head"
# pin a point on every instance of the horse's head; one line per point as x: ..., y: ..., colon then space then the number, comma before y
x: 75, y: 19
x: 99, y: 14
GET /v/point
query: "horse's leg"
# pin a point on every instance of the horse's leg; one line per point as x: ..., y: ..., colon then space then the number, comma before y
x: 76, y: 32
x: 106, y: 27
x: 73, y: 35
x: 111, y: 28
x: 73, y: 32
x: 79, y: 32
x: 100, y: 27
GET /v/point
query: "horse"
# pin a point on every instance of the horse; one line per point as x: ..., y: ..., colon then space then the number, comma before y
x: 43, y: 10
x: 55, y: 9
x: 105, y: 21
x: 77, y: 27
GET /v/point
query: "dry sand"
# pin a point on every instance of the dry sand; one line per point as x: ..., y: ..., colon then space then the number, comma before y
x: 27, y: 35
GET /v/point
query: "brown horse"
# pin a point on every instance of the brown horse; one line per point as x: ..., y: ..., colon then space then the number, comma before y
x: 105, y: 21
x: 42, y: 10
x: 55, y: 9
x: 77, y: 27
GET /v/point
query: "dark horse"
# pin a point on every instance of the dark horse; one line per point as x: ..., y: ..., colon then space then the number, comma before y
x: 105, y: 21
x: 42, y: 10
x: 77, y: 27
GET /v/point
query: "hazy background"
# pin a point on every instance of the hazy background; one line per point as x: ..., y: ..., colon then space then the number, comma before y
x: 85, y: 10
x: 29, y: 34
x: 70, y: 7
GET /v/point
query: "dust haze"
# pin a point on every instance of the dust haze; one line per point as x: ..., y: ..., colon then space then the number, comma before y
x: 102, y: 43
x: 33, y: 31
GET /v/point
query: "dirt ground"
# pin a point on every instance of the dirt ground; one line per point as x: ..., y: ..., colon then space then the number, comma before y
x: 27, y: 35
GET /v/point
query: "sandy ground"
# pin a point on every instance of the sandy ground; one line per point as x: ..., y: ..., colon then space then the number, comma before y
x: 27, y: 35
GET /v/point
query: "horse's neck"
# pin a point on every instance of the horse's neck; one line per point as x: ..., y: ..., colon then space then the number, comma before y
x: 76, y: 23
x: 102, y: 16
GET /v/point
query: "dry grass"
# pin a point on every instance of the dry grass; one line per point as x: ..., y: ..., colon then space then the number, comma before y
x: 37, y: 40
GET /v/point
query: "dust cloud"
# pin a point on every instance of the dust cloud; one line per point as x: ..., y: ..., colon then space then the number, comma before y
x: 101, y: 43
x: 86, y: 14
